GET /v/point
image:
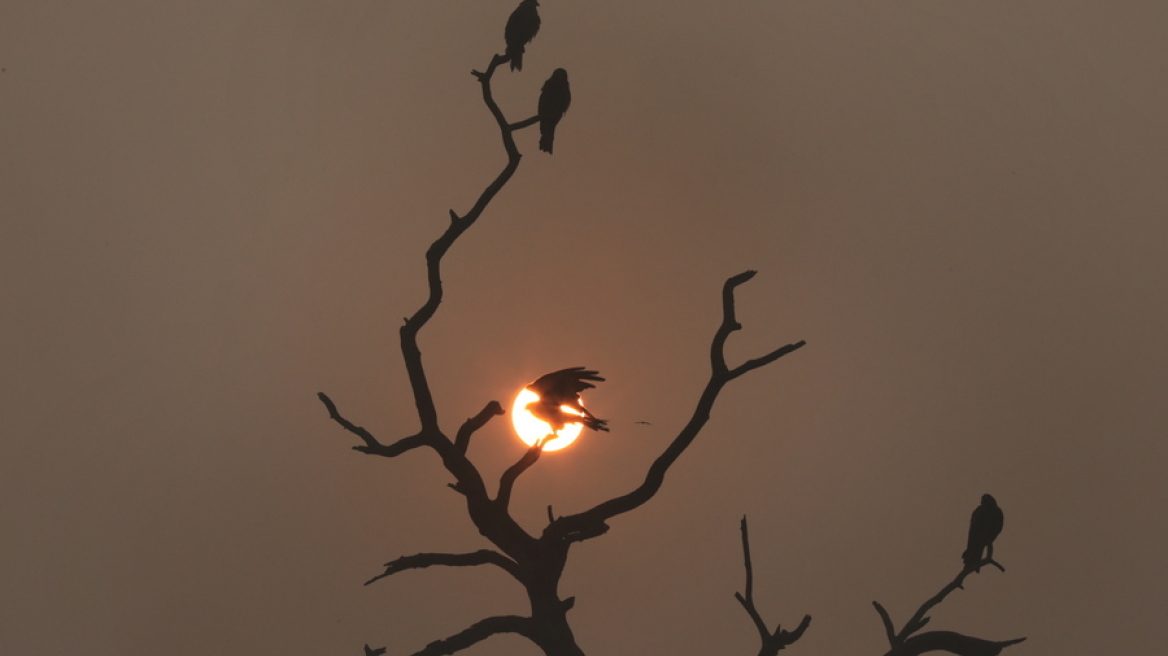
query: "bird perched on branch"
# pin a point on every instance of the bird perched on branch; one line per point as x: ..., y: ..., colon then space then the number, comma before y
x: 521, y: 29
x: 553, y: 104
x: 562, y: 388
x: 984, y: 527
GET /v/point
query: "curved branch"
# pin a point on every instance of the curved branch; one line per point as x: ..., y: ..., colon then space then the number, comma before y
x: 527, y: 122
x: 478, y: 632
x: 507, y: 480
x: 586, y: 524
x: 423, y: 560
x: 889, y: 630
x: 423, y: 399
x: 372, y: 446
x: 919, y: 620
x: 905, y: 643
x: 462, y: 440
x: 952, y: 642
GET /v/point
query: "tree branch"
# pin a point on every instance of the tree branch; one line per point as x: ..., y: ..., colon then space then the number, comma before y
x: 507, y: 480
x: 423, y: 399
x: 586, y: 523
x: 905, y: 643
x: 527, y: 122
x: 478, y: 632
x: 889, y: 630
x: 462, y: 440
x: 372, y: 446
x: 919, y: 620
x: 952, y: 642
x: 423, y: 560
x: 772, y: 642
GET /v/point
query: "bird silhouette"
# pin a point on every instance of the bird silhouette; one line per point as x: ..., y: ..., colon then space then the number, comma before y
x: 553, y: 103
x: 984, y: 527
x: 562, y: 388
x: 521, y: 28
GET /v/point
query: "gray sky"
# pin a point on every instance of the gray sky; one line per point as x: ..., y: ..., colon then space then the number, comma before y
x: 211, y: 211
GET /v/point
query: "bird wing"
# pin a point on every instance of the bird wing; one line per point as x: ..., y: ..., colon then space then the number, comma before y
x: 555, y: 95
x: 984, y: 526
x: 565, y: 385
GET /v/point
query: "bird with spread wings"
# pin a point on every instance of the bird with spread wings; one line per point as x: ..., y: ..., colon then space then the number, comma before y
x: 562, y: 388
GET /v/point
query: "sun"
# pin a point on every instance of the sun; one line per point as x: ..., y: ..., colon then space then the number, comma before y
x: 531, y: 429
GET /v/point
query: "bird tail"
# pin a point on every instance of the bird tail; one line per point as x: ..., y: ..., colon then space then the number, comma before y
x: 516, y: 55
x: 596, y: 424
x: 546, y: 139
x: 972, y: 558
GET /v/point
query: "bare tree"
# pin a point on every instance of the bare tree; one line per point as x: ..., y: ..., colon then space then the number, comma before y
x: 537, y: 562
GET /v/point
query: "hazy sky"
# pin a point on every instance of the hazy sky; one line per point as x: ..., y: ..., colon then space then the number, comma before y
x: 211, y: 211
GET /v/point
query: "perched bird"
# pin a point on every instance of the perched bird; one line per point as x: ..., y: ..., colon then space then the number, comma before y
x: 553, y: 104
x: 984, y: 527
x: 562, y: 388
x: 521, y: 29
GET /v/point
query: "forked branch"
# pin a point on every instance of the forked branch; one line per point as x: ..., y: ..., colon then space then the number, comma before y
x: 586, y: 523
x: 907, y: 642
x: 772, y: 641
x: 372, y: 446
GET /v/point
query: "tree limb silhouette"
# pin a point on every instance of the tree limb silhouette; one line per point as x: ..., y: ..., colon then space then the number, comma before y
x: 905, y: 643
x: 586, y: 524
x: 462, y: 439
x: 478, y: 632
x: 772, y: 641
x: 423, y: 560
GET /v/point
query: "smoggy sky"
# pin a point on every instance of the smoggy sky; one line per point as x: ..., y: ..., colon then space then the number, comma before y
x: 211, y: 211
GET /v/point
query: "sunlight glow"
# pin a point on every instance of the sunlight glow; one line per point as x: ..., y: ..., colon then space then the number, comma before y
x: 531, y: 429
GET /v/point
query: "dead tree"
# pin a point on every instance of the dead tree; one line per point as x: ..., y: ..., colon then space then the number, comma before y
x: 535, y: 561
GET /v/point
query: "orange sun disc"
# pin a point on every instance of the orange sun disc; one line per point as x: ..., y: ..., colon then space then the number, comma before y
x: 531, y: 429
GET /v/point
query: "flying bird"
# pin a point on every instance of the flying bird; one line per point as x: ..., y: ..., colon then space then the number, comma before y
x: 562, y: 388
x: 553, y: 104
x: 984, y: 527
x: 521, y: 28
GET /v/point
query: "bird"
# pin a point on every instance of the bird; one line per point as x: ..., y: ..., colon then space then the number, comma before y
x: 553, y: 104
x: 562, y: 388
x: 984, y: 527
x: 521, y: 28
